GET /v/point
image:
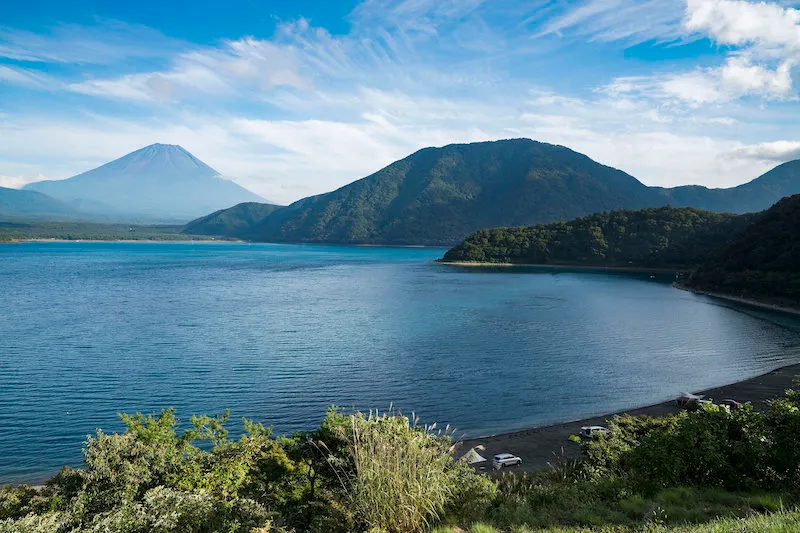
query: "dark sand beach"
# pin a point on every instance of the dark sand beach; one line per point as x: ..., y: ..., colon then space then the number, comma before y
x: 540, y: 446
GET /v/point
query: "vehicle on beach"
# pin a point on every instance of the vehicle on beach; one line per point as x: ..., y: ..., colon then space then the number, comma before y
x: 686, y: 400
x: 732, y: 404
x: 590, y: 432
x: 502, y: 460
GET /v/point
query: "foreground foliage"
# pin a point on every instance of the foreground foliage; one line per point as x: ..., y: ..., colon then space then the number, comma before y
x: 712, y: 469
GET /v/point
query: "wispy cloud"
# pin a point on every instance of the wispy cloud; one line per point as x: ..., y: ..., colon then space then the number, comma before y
x: 238, y: 65
x: 619, y: 20
x: 27, y: 78
x: 107, y: 42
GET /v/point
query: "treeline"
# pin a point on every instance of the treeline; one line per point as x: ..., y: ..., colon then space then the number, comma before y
x: 763, y: 261
x: 656, y: 237
x: 386, y: 474
x: 89, y: 231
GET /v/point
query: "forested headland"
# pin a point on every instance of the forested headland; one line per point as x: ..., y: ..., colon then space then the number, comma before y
x: 657, y: 237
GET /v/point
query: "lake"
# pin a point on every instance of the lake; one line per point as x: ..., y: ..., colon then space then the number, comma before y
x: 278, y: 333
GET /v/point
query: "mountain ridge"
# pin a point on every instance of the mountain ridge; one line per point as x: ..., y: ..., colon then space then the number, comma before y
x: 438, y: 196
x: 231, y: 222
x: 18, y: 203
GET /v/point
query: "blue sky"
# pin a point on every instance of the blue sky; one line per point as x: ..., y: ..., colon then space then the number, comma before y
x: 298, y: 98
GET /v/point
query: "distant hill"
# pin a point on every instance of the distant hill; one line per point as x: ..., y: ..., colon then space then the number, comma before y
x: 20, y: 204
x: 160, y: 182
x: 438, y: 196
x: 654, y: 237
x: 751, y: 197
x: 232, y: 222
x: 762, y: 262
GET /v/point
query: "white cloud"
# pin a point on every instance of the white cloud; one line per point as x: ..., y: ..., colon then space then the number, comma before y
x: 736, y: 78
x: 773, y: 152
x: 245, y: 64
x: 15, y: 182
x: 737, y: 22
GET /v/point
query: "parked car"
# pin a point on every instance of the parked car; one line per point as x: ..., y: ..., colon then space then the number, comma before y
x: 590, y: 432
x: 732, y: 404
x: 688, y: 401
x: 502, y: 460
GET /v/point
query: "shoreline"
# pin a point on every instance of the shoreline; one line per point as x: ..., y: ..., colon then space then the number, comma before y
x: 23, y: 241
x: 739, y: 300
x: 542, y: 446
x: 596, y: 268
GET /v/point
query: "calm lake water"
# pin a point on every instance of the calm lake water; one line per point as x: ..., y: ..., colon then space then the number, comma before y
x: 280, y: 332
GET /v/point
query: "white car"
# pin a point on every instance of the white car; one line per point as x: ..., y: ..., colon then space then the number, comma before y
x: 688, y: 401
x: 505, y: 459
x: 590, y: 432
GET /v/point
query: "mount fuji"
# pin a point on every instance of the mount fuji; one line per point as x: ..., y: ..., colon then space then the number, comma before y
x: 158, y: 183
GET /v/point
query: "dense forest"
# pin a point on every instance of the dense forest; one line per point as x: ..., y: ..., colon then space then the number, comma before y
x: 761, y: 262
x: 708, y: 469
x: 655, y: 237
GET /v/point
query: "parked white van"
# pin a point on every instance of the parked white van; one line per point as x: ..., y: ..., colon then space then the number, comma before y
x: 505, y: 459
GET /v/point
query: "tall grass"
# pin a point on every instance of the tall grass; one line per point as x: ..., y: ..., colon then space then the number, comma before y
x: 404, y: 475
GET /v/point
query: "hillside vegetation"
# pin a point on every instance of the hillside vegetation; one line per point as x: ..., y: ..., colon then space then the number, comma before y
x: 655, y: 237
x: 436, y: 196
x: 232, y: 222
x: 702, y: 470
x: 761, y: 262
x: 439, y: 195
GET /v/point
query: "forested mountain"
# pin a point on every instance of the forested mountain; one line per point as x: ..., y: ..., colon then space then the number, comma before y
x: 762, y: 262
x: 235, y: 221
x: 654, y: 237
x: 160, y: 182
x: 16, y: 204
x: 438, y: 196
